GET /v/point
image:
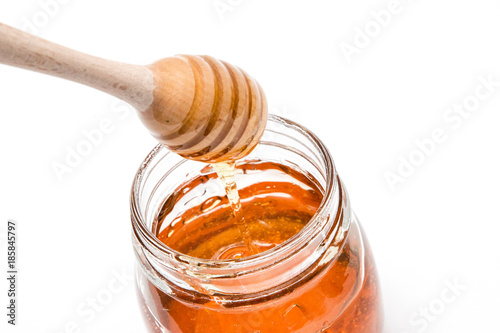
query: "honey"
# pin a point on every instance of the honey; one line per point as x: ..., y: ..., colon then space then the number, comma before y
x: 335, y: 295
x: 250, y: 221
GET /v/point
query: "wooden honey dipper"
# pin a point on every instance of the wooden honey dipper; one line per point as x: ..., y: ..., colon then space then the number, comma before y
x: 199, y: 107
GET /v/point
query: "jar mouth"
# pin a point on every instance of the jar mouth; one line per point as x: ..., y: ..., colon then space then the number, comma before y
x: 228, y: 267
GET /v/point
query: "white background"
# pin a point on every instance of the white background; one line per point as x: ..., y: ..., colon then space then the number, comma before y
x: 439, y: 225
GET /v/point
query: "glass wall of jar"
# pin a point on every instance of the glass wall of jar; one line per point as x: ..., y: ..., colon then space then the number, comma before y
x: 322, y: 279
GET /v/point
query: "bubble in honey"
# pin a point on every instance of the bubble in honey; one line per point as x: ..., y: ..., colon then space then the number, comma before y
x: 210, y: 204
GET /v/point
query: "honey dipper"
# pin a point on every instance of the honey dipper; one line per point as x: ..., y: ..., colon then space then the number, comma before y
x: 197, y: 106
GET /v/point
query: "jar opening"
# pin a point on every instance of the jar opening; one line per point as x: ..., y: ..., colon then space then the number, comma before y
x: 280, y: 135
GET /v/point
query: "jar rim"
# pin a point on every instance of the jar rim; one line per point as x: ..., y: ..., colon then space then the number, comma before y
x: 245, y: 264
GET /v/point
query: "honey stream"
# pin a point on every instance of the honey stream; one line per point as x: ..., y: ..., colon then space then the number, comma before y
x: 226, y: 172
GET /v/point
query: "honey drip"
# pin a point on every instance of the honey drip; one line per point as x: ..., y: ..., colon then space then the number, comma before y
x: 226, y: 172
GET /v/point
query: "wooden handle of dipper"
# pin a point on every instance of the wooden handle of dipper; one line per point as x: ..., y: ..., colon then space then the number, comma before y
x: 199, y: 107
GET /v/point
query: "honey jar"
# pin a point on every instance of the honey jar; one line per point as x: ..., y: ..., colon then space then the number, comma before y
x: 310, y: 268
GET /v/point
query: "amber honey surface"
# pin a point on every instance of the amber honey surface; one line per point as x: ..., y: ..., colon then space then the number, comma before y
x: 341, y: 296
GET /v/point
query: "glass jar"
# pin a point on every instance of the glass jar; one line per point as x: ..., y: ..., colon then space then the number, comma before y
x: 323, y: 279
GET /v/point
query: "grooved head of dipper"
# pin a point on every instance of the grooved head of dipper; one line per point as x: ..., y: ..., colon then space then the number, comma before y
x: 205, y: 109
